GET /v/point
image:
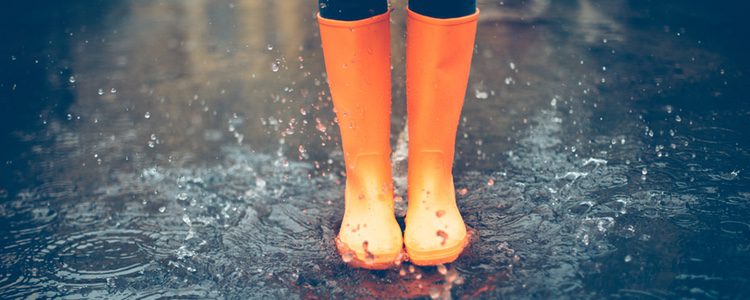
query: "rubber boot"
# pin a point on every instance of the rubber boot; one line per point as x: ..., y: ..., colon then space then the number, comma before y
x: 357, y: 59
x: 438, y: 59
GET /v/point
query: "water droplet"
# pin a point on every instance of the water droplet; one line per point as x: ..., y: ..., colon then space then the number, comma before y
x: 275, y: 66
x: 162, y: 209
x: 269, y: 47
x: 111, y: 283
x: 442, y: 269
x: 678, y: 118
x: 628, y: 258
x: 443, y: 235
x: 347, y: 257
x: 100, y: 92
x: 512, y: 66
x: 72, y: 79
x: 434, y: 293
x: 182, y: 196
x: 147, y: 115
x: 480, y: 94
x: 320, y: 126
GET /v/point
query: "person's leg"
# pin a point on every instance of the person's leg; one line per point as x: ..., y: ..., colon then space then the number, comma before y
x: 438, y: 58
x: 443, y: 9
x: 357, y: 60
x: 352, y: 10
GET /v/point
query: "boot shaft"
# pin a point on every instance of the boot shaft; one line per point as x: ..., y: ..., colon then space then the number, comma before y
x: 438, y: 60
x: 357, y: 59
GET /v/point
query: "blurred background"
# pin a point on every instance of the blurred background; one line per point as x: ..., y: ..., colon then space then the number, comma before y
x: 188, y: 149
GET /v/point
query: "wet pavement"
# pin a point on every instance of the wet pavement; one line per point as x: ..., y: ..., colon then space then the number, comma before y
x: 188, y: 149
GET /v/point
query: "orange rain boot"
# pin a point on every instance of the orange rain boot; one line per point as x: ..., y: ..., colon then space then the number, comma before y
x: 438, y: 59
x: 357, y: 58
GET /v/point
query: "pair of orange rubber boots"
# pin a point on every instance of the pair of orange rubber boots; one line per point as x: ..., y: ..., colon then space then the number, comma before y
x: 438, y: 58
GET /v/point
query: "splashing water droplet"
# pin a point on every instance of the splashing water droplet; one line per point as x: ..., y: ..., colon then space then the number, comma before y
x: 147, y: 115
x: 434, y: 293
x: 182, y: 196
x: 100, y: 92
x: 480, y: 94
x: 320, y: 126
x: 113, y: 91
x: 72, y: 79
x: 442, y: 269
x: 347, y: 257
x: 269, y: 47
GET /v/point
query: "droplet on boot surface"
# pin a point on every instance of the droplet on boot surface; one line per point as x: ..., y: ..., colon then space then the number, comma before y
x: 369, y: 257
x: 443, y: 235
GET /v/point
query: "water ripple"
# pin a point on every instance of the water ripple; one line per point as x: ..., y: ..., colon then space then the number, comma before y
x: 95, y: 256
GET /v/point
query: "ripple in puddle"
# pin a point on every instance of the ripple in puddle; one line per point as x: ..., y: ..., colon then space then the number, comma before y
x: 95, y: 256
x: 735, y: 227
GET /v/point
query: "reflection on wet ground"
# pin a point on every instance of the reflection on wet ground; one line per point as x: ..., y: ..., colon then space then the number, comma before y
x: 187, y: 149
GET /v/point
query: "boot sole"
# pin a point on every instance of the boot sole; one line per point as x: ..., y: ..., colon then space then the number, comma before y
x: 381, y: 261
x: 440, y: 256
